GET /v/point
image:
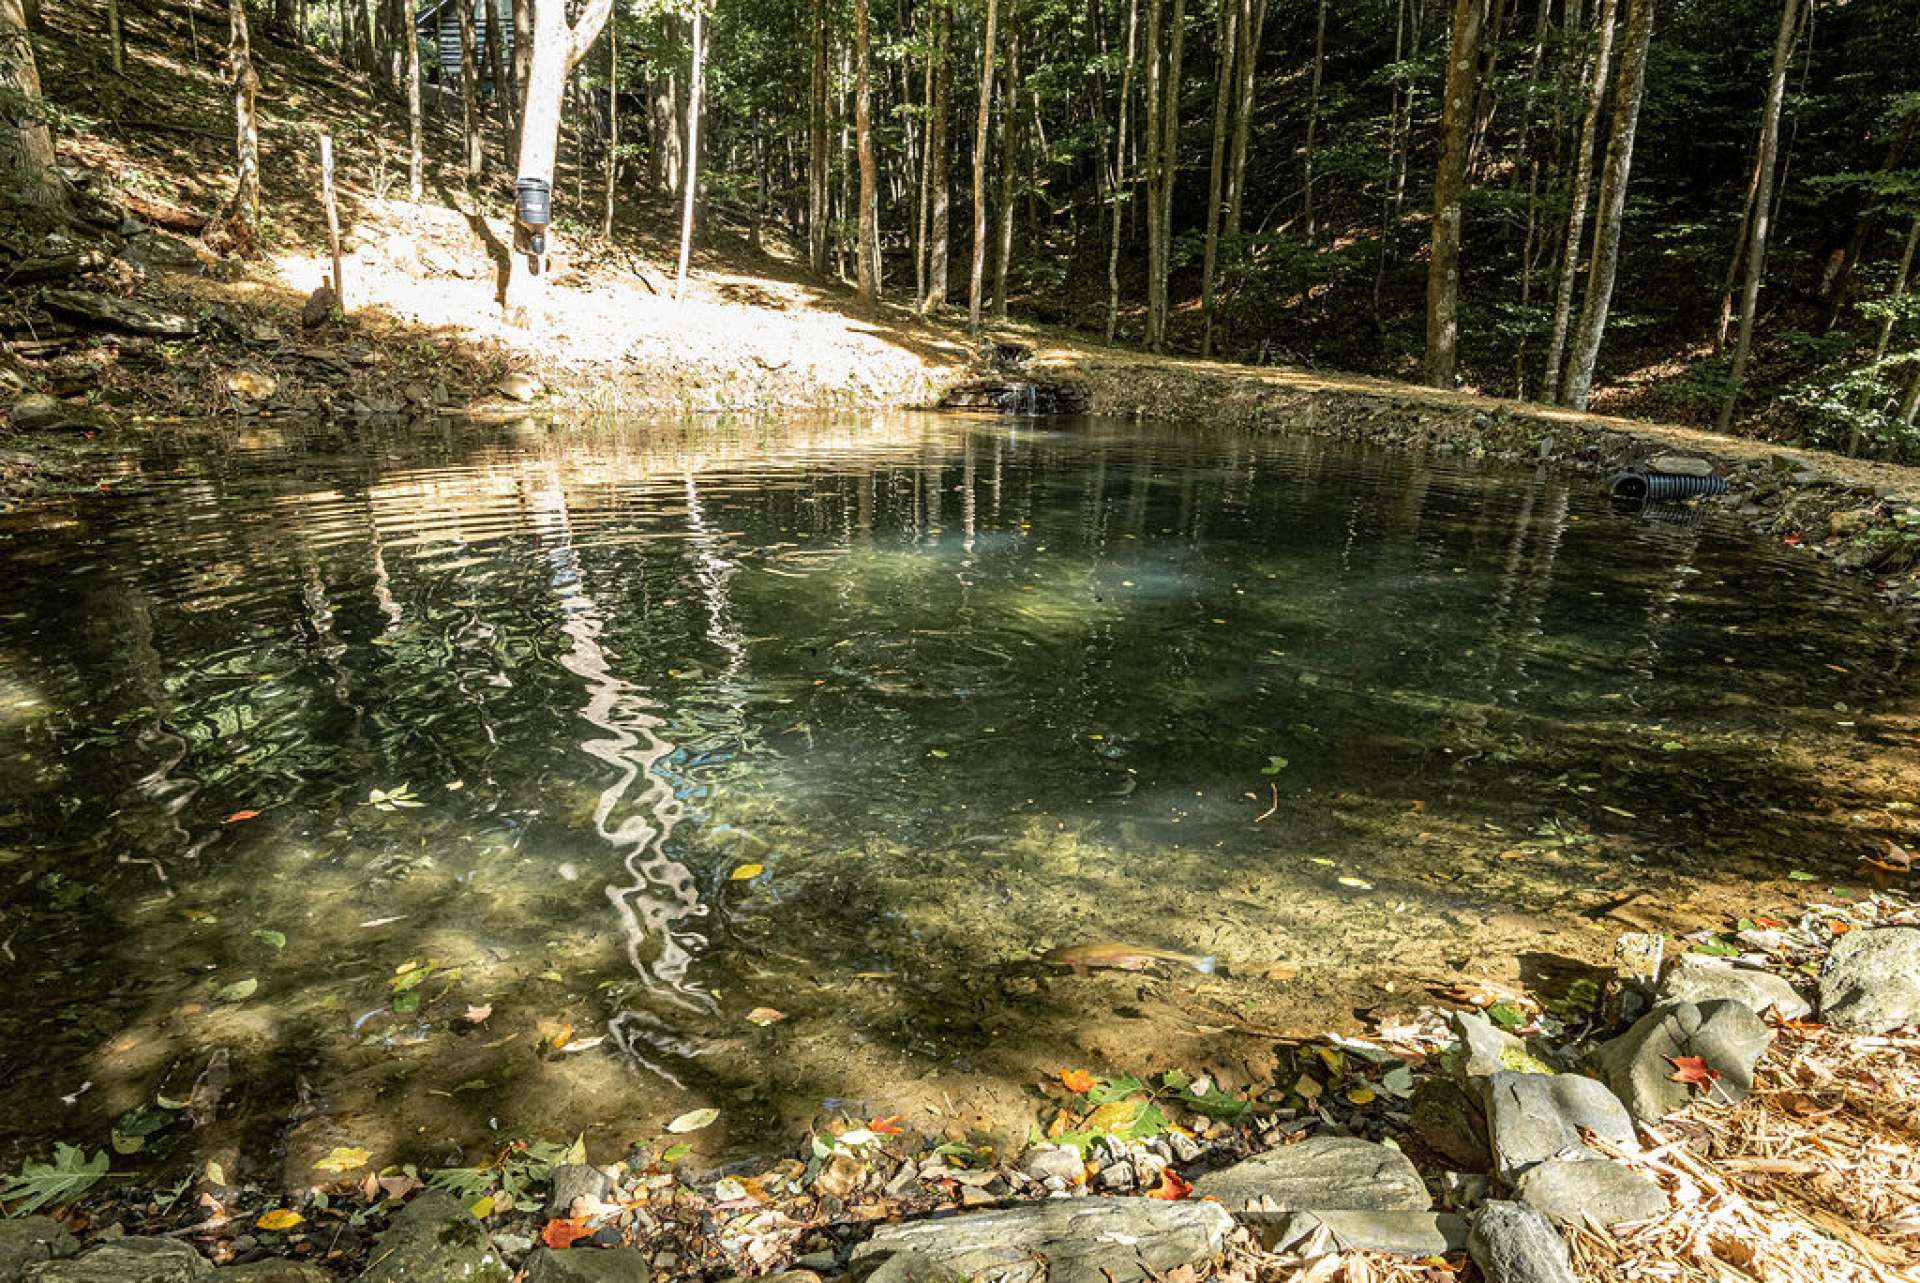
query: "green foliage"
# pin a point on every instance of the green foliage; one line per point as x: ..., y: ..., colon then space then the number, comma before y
x: 38, y: 1185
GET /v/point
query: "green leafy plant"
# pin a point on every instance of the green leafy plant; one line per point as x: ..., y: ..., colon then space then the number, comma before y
x: 67, y: 1177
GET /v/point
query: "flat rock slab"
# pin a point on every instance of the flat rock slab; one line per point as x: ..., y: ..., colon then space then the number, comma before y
x: 1872, y: 981
x: 1078, y: 1240
x: 31, y: 1240
x: 1534, y: 1117
x: 1513, y: 1243
x: 1321, y: 1173
x: 1403, y: 1233
x: 1638, y: 1065
x: 913, y: 1267
x: 116, y: 313
x: 275, y: 1269
x: 1597, y: 1190
x: 127, y: 1260
x: 1697, y: 978
x: 589, y: 1265
x: 435, y: 1239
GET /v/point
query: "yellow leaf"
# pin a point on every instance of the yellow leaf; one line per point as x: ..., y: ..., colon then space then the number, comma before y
x: 1360, y: 1096
x: 1332, y: 1059
x: 747, y: 872
x: 344, y: 1159
x: 482, y: 1208
x: 280, y: 1218
x: 1309, y: 1087
x: 1115, y: 1113
x: 216, y: 1174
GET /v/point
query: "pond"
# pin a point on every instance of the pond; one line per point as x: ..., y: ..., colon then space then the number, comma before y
x: 420, y: 789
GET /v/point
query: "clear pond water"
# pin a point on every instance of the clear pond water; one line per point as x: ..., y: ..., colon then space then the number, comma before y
x: 313, y: 744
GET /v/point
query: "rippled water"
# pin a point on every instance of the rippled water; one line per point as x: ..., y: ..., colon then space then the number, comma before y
x: 848, y: 719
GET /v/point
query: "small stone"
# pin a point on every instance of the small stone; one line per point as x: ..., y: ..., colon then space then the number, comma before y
x: 1116, y: 1178
x: 1184, y: 1148
x: 1534, y: 1117
x: 518, y: 386
x: 1404, y: 1233
x: 1596, y: 1190
x: 1059, y: 1240
x: 1872, y: 980
x: 1696, y: 978
x: 588, y: 1265
x: 251, y: 385
x: 435, y: 1239
x: 1682, y: 465
x: 1638, y: 1064
x: 1513, y: 1243
x: 125, y: 1260
x: 1463, y: 1191
x: 912, y: 1267
x: 569, y: 1181
x: 1328, y: 1173
x: 31, y: 1240
x: 1056, y: 1161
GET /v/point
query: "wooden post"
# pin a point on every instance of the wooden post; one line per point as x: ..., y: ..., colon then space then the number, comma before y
x: 333, y: 220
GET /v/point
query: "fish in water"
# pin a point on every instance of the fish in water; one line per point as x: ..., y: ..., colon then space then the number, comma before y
x: 1125, y: 957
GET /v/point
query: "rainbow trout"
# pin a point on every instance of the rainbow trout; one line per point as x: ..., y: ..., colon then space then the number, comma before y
x: 1125, y: 957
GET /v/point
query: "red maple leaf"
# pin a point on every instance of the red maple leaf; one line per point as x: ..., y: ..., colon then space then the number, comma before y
x: 559, y: 1234
x: 888, y: 1126
x: 1171, y: 1187
x: 1693, y: 1070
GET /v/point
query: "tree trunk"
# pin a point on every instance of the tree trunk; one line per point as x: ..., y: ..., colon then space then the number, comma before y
x: 503, y: 103
x: 1449, y: 189
x: 867, y: 249
x: 613, y: 124
x: 940, y: 198
x: 1898, y: 292
x: 1222, y: 96
x: 1009, y: 147
x: 243, y: 214
x: 115, y: 43
x: 520, y: 70
x: 1157, y: 311
x: 31, y: 176
x: 286, y: 18
x: 1253, y: 22
x: 416, y: 147
x: 469, y: 90
x: 975, y: 277
x: 817, y: 176
x: 553, y: 48
x: 1610, y: 211
x: 1120, y: 180
x: 1762, y: 209
x: 1150, y: 162
x: 1577, y: 211
x: 1313, y: 111
x: 696, y: 85
x: 923, y: 207
x: 1910, y: 407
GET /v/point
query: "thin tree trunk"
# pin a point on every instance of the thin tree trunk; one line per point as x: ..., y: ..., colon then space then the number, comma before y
x: 939, y: 232
x: 1449, y: 190
x: 1898, y: 292
x: 469, y: 90
x: 1161, y: 259
x: 613, y: 124
x: 416, y: 145
x: 497, y: 61
x: 1150, y: 161
x: 1762, y: 212
x: 114, y: 41
x: 975, y: 278
x: 332, y: 210
x: 1577, y: 212
x: 1911, y: 405
x: 31, y: 175
x: 243, y: 214
x: 1120, y: 180
x: 817, y: 143
x: 1009, y: 146
x: 922, y: 208
x: 1610, y: 210
x: 1313, y: 110
x: 1253, y: 23
x: 521, y: 69
x: 867, y: 250
x: 1222, y: 97
x: 1390, y: 193
x: 696, y: 86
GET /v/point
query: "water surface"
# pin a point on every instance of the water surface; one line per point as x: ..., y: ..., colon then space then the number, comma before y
x: 313, y: 743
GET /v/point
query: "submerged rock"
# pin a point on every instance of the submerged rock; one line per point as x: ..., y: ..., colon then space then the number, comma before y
x: 1534, y: 1117
x: 127, y: 1260
x: 435, y: 1239
x: 1322, y: 1173
x: 1405, y: 1233
x: 1082, y: 1240
x: 30, y: 1240
x: 1576, y: 1191
x: 1872, y: 981
x: 1513, y: 1243
x: 1697, y: 978
x: 1639, y: 1064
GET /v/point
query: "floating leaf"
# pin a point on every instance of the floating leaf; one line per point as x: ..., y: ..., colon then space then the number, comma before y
x: 693, y: 1120
x: 1801, y: 875
x: 764, y: 1016
x: 271, y: 938
x: 239, y: 817
x: 675, y: 1152
x: 747, y: 872
x: 280, y: 1218
x: 1275, y: 765
x: 344, y: 1158
x: 1358, y: 884
x: 238, y: 991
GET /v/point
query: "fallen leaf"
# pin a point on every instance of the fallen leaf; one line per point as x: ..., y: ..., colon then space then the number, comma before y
x: 1171, y: 1187
x: 747, y: 872
x: 764, y: 1016
x: 560, y: 1234
x: 1358, y: 884
x: 1078, y: 1081
x: 693, y: 1120
x: 888, y: 1126
x: 1418, y: 807
x: 239, y: 816
x: 344, y: 1158
x: 1360, y: 1096
x: 477, y: 1014
x: 1694, y: 1071
x: 238, y: 991
x: 280, y: 1218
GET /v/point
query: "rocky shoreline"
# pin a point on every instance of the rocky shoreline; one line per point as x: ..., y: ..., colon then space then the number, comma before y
x: 1540, y: 1147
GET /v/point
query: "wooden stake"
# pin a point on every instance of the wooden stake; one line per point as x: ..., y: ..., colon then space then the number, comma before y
x: 333, y: 220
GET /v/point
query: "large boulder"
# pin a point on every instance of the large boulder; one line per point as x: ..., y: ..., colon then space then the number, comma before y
x: 1872, y: 981
x: 126, y: 1260
x: 1321, y: 1173
x: 1513, y: 1243
x: 38, y: 412
x: 1534, y: 1117
x: 1639, y: 1064
x: 435, y: 1239
x: 1079, y: 1240
x: 104, y: 311
x: 1589, y: 1190
x: 31, y: 1240
x: 1404, y: 1233
x: 1697, y: 978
